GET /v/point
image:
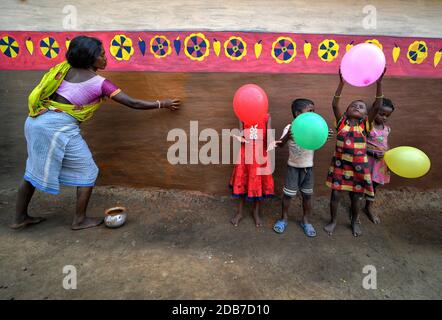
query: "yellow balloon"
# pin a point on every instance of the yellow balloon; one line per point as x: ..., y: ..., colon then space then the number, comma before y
x: 407, y: 162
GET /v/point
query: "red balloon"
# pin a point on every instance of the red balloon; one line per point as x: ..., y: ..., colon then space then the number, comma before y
x: 250, y: 104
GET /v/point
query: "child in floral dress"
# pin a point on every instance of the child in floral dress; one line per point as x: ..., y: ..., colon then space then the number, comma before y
x: 377, y: 145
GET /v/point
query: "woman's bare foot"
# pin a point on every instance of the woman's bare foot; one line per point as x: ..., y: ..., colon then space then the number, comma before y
x: 356, y: 229
x: 236, y: 219
x: 87, y: 222
x: 330, y: 228
x: 25, y: 221
x: 372, y: 216
x: 257, y: 218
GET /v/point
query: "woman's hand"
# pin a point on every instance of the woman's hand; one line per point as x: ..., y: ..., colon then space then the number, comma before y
x: 171, y: 104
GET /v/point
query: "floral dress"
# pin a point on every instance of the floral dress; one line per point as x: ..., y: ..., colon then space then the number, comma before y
x: 349, y: 170
x: 252, y: 174
x: 377, y: 141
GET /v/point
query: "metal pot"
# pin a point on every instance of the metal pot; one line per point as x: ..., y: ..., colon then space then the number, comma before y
x: 115, y: 217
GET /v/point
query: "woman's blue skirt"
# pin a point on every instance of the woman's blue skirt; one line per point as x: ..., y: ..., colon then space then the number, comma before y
x: 57, y: 153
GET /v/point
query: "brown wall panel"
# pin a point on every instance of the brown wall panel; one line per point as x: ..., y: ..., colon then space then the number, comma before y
x: 130, y: 146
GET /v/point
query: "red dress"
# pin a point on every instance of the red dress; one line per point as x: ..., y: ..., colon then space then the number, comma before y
x: 252, y: 173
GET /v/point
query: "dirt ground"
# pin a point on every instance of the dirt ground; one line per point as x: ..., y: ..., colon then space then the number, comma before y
x: 180, y: 245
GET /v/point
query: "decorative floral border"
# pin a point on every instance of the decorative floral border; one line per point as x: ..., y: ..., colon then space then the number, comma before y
x: 416, y: 57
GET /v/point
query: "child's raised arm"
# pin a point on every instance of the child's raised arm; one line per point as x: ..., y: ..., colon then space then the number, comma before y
x: 379, y: 99
x: 335, y: 103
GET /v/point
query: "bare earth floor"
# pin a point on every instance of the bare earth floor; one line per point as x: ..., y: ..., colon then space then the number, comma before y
x: 180, y: 245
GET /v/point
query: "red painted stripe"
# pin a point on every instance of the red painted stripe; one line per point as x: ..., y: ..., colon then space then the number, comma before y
x: 249, y: 63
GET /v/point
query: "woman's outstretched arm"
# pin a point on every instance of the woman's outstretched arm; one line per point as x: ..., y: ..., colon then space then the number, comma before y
x: 335, y: 103
x: 133, y: 103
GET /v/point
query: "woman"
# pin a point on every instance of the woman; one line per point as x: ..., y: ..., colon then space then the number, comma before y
x: 67, y: 95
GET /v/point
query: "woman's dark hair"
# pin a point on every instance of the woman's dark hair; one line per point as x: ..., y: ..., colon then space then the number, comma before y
x: 299, y: 104
x: 83, y: 52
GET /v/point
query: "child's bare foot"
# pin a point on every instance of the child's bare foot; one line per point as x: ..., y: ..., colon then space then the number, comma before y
x: 372, y: 216
x: 358, y: 221
x: 356, y: 229
x: 25, y: 221
x: 236, y: 219
x: 330, y: 228
x: 257, y: 219
x: 87, y: 222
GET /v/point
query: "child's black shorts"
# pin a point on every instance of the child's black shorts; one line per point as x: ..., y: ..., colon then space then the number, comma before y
x: 298, y: 179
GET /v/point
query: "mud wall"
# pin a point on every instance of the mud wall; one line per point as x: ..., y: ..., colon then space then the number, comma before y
x: 130, y: 146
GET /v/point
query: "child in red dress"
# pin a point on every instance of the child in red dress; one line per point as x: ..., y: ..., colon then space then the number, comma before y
x: 252, y: 178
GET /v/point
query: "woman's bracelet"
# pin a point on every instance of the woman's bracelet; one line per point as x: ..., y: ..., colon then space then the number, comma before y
x: 380, y: 97
x: 159, y: 104
x: 337, y: 96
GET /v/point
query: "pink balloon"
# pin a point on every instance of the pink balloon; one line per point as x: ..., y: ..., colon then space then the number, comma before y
x: 250, y: 104
x: 363, y: 64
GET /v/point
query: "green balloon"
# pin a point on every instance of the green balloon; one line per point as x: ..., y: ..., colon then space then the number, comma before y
x: 310, y: 130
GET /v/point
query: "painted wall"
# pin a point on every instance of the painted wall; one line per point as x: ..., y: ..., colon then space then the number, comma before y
x: 248, y: 52
x: 130, y: 146
x: 394, y: 17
